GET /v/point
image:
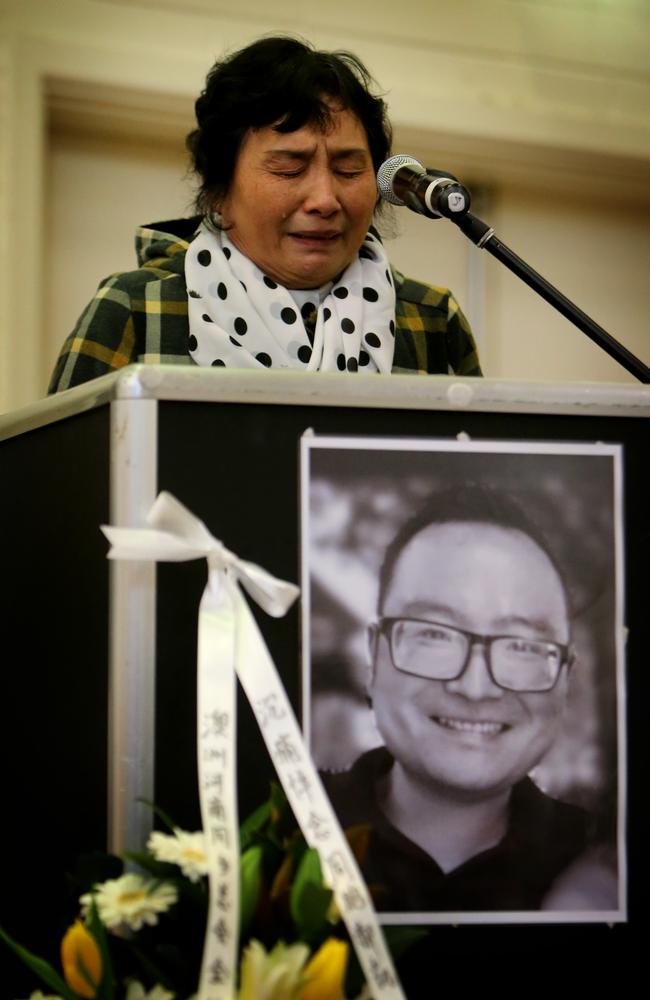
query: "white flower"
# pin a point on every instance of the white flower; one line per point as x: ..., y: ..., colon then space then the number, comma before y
x: 136, y: 991
x: 131, y: 900
x: 277, y: 975
x: 44, y: 996
x: 187, y: 850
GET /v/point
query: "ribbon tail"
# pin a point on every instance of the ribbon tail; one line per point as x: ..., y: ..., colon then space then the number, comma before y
x: 217, y: 769
x: 310, y: 804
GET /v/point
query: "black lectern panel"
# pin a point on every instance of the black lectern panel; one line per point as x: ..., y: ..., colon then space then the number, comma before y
x: 236, y: 466
x: 55, y: 494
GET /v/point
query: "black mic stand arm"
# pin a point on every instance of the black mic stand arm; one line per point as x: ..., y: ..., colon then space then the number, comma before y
x: 484, y: 237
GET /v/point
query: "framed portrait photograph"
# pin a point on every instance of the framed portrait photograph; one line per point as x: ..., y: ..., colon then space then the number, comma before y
x: 463, y: 671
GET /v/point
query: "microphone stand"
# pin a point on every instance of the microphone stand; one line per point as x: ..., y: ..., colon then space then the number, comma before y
x: 481, y: 234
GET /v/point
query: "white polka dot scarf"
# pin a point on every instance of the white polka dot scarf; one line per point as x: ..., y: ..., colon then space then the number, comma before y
x: 240, y: 318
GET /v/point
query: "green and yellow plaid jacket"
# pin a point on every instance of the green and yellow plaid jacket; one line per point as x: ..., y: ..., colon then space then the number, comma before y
x: 141, y: 316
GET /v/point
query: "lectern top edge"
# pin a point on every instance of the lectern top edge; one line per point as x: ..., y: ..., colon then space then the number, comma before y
x: 409, y: 392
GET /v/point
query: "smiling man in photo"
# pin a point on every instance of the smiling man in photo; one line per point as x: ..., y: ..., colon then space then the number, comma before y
x: 470, y: 661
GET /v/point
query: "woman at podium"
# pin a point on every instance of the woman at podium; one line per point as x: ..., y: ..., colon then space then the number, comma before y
x: 281, y: 267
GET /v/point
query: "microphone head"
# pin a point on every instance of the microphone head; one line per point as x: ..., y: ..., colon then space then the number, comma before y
x: 386, y: 175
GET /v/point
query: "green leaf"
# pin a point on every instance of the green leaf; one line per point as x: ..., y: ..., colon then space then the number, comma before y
x: 98, y: 931
x: 354, y: 977
x: 310, y: 899
x: 250, y: 868
x: 399, y: 938
x: 167, y: 820
x: 93, y: 868
x: 310, y: 908
x: 282, y: 822
x: 40, y: 967
x: 279, y: 803
x: 163, y: 870
x: 155, y: 973
x: 309, y: 869
x: 253, y: 824
x: 84, y: 972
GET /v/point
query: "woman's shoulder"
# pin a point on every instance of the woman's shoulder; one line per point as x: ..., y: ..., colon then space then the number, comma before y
x: 160, y: 274
x: 423, y: 294
x: 433, y: 335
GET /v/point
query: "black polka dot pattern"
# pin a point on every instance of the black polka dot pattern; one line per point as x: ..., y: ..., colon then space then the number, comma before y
x: 244, y: 316
x: 289, y: 316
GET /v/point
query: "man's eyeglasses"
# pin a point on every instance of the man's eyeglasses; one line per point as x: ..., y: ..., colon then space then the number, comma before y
x: 442, y: 653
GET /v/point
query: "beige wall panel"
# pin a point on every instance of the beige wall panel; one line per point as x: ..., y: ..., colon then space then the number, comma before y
x: 516, y: 90
x: 513, y: 68
x: 5, y: 234
x: 20, y: 281
x: 98, y: 190
x: 597, y: 256
x: 544, y: 29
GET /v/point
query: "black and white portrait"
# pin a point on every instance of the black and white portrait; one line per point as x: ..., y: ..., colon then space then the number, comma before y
x: 463, y: 645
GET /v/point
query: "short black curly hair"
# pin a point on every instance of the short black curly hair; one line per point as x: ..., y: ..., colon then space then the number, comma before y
x: 284, y: 82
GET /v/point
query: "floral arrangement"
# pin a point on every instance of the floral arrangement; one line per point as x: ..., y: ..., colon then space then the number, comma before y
x: 139, y: 934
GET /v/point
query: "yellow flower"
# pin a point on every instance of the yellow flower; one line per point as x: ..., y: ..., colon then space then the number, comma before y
x: 79, y: 951
x: 325, y: 972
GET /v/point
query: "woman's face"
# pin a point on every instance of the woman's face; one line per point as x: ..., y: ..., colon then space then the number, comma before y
x: 300, y: 203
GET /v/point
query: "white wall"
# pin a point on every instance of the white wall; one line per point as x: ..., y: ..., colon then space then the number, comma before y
x: 542, y: 102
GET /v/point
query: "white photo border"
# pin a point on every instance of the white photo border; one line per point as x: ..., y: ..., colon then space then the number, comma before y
x: 310, y: 444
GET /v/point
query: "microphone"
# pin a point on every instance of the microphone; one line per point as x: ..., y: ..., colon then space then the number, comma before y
x: 402, y: 180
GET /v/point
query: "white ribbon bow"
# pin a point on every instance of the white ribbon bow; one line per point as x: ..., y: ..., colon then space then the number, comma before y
x: 229, y: 645
x: 176, y: 535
